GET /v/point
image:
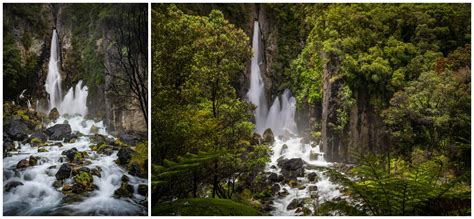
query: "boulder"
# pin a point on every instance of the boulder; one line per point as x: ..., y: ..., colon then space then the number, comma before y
x: 11, y: 185
x: 96, y: 171
x: 58, y: 131
x: 256, y: 139
x: 37, y: 138
x: 291, y: 168
x: 58, y: 183
x: 94, y: 130
x: 312, y: 188
x: 42, y: 149
x: 17, y: 130
x: 53, y: 114
x: 67, y: 187
x: 124, y: 156
x: 70, y: 154
x: 295, y: 203
x: 313, y: 177
x: 70, y: 138
x: 143, y: 189
x: 22, y: 164
x: 64, y: 172
x: 82, y: 182
x: 33, y: 161
x: 268, y: 136
x: 8, y: 145
x: 125, y: 190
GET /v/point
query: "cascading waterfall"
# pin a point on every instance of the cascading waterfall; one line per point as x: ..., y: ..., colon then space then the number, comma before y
x: 280, y: 116
x: 75, y: 101
x: 287, y: 145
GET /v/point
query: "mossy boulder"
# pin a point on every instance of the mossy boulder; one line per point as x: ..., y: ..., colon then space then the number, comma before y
x: 42, y: 150
x: 82, y: 182
x: 268, y: 137
x: 58, y: 131
x: 22, y: 164
x: 64, y: 172
x: 33, y: 161
x: 53, y: 114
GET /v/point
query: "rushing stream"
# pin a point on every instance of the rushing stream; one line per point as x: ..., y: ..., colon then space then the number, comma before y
x: 311, y: 187
x: 32, y: 188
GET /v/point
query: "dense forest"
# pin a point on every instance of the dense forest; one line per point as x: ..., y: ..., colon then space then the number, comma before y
x: 75, y: 109
x: 382, y: 99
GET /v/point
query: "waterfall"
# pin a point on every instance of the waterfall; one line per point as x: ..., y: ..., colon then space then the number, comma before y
x: 75, y: 101
x: 280, y: 117
x: 287, y: 146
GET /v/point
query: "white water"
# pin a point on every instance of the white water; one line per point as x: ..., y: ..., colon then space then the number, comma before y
x: 74, y: 102
x: 37, y: 196
x: 280, y: 118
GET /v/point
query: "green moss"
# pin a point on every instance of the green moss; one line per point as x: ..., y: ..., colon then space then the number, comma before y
x: 204, y: 207
x: 80, y: 155
x: 41, y: 150
x: 84, y: 179
x: 140, y: 155
x: 36, y: 140
x: 23, y: 114
x: 118, y: 142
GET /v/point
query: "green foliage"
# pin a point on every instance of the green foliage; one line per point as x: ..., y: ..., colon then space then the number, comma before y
x: 84, y: 179
x: 204, y: 207
x: 422, y: 186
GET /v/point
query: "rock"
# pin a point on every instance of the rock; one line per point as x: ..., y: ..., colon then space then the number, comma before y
x: 70, y: 138
x: 53, y: 114
x: 70, y: 154
x: 58, y: 131
x: 291, y: 168
x: 291, y: 164
x: 125, y: 190
x: 314, y: 194
x: 131, y: 139
x: 124, y: 156
x: 59, y: 144
x: 275, y: 188
x: 293, y: 183
x: 306, y: 211
x: 94, y: 130
x: 82, y: 182
x: 67, y: 187
x: 268, y: 136
x: 38, y: 138
x: 8, y: 145
x: 22, y: 164
x: 134, y: 169
x: 143, y: 189
x: 11, y: 185
x: 267, y: 206
x: 64, y: 172
x: 124, y: 178
x: 283, y: 193
x: 284, y: 148
x: 17, y: 130
x: 33, y: 161
x: 96, y: 172
x: 295, y: 203
x: 313, y: 177
x: 42, y: 150
x: 85, y: 169
x: 57, y: 183
x: 312, y: 188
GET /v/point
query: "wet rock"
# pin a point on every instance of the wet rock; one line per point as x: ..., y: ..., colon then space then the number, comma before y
x: 8, y: 145
x: 267, y: 206
x: 53, y: 114
x: 313, y: 155
x: 293, y: 183
x: 313, y: 177
x: 58, y: 131
x: 67, y: 187
x: 275, y: 188
x: 295, y: 203
x: 82, y: 183
x: 38, y: 138
x: 11, y: 185
x: 314, y: 194
x: 124, y: 156
x: 291, y: 168
x: 268, y: 136
x: 70, y: 154
x: 134, y: 169
x: 273, y: 167
x: 125, y: 190
x: 70, y: 138
x: 96, y: 171
x: 22, y: 164
x: 304, y: 210
x: 283, y: 193
x: 42, y: 150
x: 58, y: 144
x: 33, y: 161
x: 64, y: 172
x: 58, y: 183
x: 17, y: 130
x: 312, y: 188
x: 284, y: 149
x: 124, y: 178
x: 143, y: 189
